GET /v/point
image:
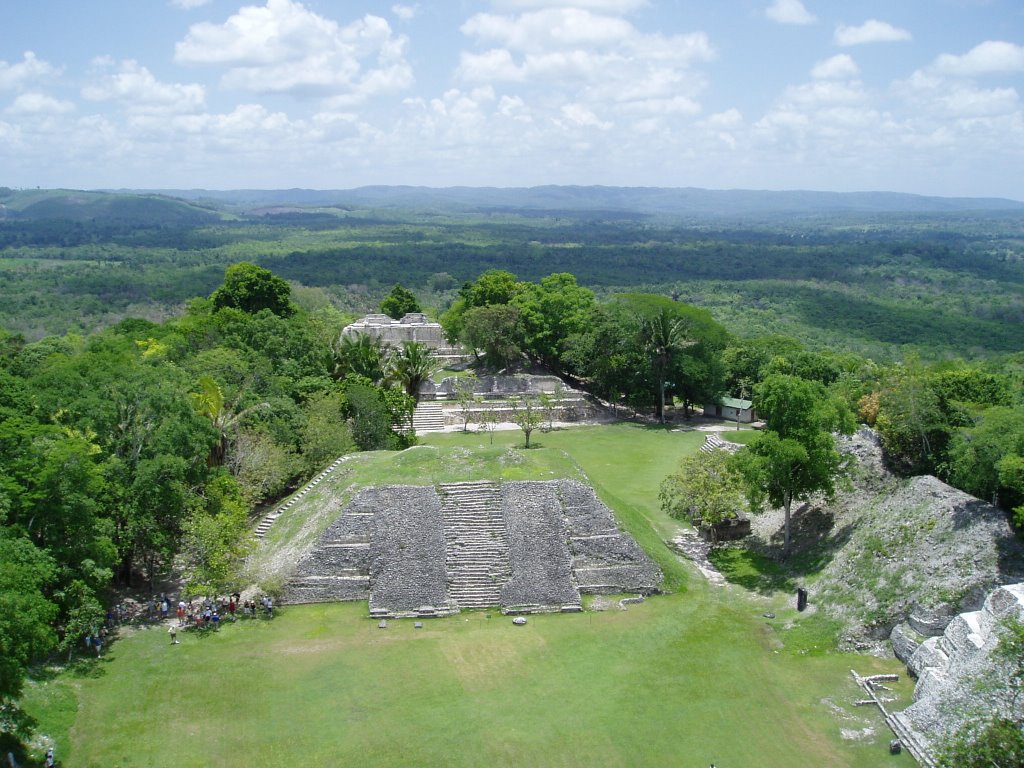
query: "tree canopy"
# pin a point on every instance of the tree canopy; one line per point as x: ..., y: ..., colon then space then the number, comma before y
x: 251, y: 288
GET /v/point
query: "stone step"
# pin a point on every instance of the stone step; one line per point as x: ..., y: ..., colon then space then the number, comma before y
x: 268, y: 520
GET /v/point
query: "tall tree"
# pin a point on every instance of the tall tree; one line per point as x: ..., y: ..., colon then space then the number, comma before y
x: 252, y: 288
x: 26, y: 617
x: 795, y: 456
x: 399, y: 302
x: 663, y: 336
x: 493, y: 330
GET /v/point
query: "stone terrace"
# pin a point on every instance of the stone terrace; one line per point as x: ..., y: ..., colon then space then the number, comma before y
x: 408, y: 564
x: 542, y: 577
x: 338, y: 568
x: 606, y: 560
x: 425, y: 551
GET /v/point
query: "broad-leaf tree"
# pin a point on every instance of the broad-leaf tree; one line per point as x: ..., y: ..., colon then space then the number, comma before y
x: 399, y: 302
x: 705, y: 488
x: 796, y: 455
x: 251, y: 288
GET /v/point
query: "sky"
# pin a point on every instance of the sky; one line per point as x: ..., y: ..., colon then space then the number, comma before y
x: 920, y: 96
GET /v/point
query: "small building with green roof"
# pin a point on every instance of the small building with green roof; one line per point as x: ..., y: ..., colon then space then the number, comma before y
x: 731, y: 409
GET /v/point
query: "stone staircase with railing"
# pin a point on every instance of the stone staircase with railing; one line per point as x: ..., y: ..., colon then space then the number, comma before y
x: 428, y: 417
x: 714, y: 443
x: 271, y: 517
x: 476, y: 558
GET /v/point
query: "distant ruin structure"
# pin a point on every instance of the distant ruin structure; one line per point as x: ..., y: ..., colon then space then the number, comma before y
x: 523, y: 547
x: 415, y: 326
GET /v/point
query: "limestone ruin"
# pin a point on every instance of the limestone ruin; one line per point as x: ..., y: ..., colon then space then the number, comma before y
x: 415, y: 326
x: 523, y: 547
x: 957, y: 678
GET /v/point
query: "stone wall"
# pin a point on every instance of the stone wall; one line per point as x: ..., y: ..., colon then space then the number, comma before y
x: 957, y: 678
x: 407, y: 572
x: 540, y: 561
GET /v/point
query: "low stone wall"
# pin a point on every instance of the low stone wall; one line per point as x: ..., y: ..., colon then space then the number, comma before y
x: 540, y: 561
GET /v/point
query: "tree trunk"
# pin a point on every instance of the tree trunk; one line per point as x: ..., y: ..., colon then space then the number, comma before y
x: 785, y: 545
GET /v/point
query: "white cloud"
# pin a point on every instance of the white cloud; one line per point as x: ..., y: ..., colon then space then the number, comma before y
x: 405, y: 12
x: 839, y: 67
x: 871, y: 31
x: 284, y: 48
x: 578, y: 115
x: 789, y: 12
x: 555, y: 28
x: 189, y: 4
x: 140, y: 92
x: 28, y: 70
x: 989, y: 57
x: 39, y: 103
x: 605, y: 6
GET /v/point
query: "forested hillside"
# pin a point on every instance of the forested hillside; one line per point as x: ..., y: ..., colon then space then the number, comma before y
x: 941, y: 283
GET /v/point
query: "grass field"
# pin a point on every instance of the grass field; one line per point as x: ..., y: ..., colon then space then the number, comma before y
x: 686, y: 679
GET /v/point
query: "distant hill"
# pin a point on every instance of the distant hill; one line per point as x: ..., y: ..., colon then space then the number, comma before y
x: 129, y: 208
x: 687, y: 202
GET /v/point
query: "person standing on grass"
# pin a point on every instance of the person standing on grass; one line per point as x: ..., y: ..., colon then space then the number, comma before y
x: 173, y: 632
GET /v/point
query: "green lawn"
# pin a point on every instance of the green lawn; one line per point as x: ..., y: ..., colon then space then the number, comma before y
x: 681, y: 680
x: 686, y: 679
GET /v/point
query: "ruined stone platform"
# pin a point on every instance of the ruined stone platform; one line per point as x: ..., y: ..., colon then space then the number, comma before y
x: 523, y: 547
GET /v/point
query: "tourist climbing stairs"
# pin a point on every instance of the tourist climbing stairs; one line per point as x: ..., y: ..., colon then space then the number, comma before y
x: 271, y: 517
x: 428, y: 417
x: 476, y: 559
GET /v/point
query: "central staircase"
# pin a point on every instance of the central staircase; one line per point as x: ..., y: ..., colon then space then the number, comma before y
x: 476, y: 543
x: 428, y: 417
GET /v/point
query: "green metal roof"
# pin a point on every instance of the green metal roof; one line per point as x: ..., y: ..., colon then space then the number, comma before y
x: 735, y: 402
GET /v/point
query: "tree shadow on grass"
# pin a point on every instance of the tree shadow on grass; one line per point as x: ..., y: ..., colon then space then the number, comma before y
x: 759, y: 565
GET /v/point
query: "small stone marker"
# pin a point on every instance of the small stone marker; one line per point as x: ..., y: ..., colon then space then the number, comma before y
x: 383, y: 624
x: 418, y: 625
x: 895, y: 747
x: 801, y: 599
x: 519, y: 620
x: 768, y: 615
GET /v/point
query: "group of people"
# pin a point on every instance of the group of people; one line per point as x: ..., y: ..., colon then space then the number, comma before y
x: 208, y: 614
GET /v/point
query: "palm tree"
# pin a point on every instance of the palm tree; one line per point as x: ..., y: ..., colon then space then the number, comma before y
x: 663, y: 335
x: 362, y: 355
x: 210, y: 402
x: 413, y: 364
